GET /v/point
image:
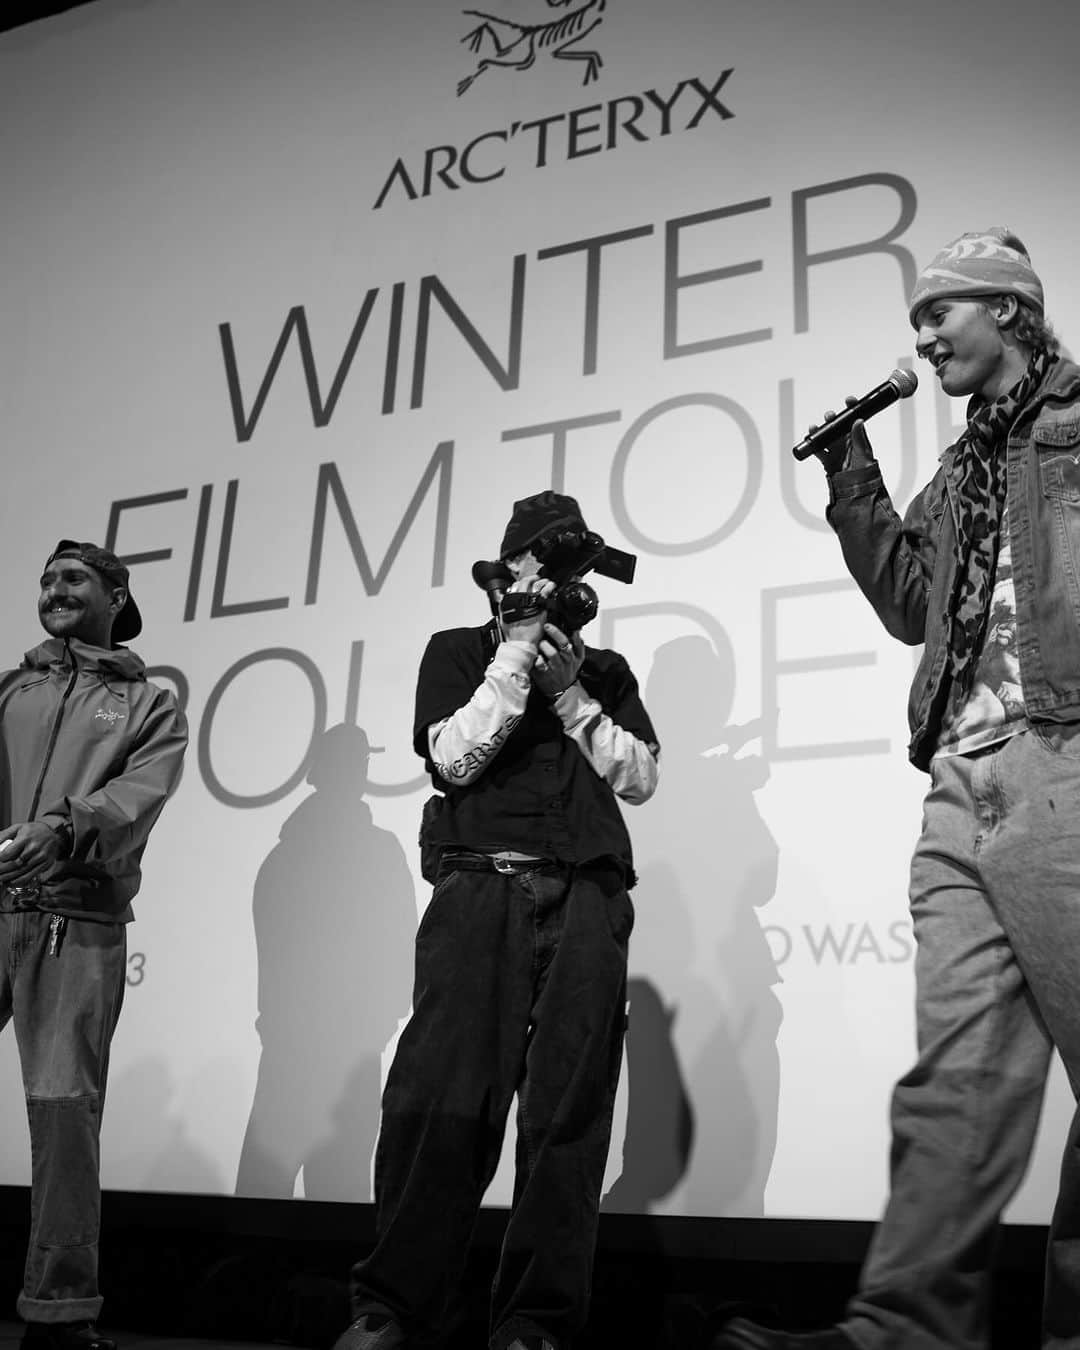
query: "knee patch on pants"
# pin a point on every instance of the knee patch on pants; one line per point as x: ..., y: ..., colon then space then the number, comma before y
x: 65, y: 1147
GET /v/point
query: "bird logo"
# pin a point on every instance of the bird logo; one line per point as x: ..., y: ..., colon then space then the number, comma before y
x: 516, y: 46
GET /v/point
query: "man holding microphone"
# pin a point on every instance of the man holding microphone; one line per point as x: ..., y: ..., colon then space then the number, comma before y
x: 984, y: 570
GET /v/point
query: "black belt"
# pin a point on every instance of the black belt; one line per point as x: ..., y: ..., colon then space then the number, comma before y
x: 468, y: 860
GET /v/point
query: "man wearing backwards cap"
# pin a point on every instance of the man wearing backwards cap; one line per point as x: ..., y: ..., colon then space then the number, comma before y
x: 984, y: 570
x: 90, y: 752
x: 520, y: 969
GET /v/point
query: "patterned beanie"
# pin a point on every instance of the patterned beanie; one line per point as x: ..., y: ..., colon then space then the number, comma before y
x: 985, y: 262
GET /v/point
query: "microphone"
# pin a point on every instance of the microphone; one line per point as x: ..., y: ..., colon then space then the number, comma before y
x: 900, y: 384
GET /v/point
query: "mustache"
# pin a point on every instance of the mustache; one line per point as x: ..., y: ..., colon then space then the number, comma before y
x: 47, y: 606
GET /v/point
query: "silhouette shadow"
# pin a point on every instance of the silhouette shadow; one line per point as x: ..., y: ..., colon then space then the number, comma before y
x: 335, y: 916
x: 706, y: 862
x: 659, y: 1118
x: 145, y: 1144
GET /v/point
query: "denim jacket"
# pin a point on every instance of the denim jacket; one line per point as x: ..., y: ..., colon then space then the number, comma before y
x: 907, y: 569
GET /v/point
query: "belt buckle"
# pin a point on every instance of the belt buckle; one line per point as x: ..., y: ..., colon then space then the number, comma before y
x: 507, y: 866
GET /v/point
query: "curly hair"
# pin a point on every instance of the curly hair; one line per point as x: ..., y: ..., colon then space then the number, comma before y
x: 1034, y: 329
x: 1030, y: 327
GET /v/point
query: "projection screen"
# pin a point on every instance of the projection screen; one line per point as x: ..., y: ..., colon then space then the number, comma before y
x: 297, y: 299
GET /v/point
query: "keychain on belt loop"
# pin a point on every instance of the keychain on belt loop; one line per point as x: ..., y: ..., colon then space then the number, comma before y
x: 57, y: 927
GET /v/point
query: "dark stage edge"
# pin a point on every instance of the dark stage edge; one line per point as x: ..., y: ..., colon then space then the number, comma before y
x: 11, y: 1337
x: 198, y: 1271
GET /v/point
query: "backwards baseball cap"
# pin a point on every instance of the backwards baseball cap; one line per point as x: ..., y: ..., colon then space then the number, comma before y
x: 984, y: 262
x: 535, y: 516
x: 128, y: 623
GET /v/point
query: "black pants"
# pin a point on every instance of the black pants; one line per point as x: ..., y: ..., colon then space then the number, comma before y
x: 520, y: 987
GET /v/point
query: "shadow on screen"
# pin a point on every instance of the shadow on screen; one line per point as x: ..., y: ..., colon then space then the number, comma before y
x: 145, y: 1144
x: 702, y: 1058
x: 335, y: 916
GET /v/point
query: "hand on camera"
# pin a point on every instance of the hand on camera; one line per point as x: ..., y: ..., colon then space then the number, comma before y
x: 558, y: 662
x: 850, y: 452
x: 529, y: 630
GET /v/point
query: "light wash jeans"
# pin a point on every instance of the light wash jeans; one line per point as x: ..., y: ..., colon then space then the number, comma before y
x: 995, y: 900
x: 64, y: 1006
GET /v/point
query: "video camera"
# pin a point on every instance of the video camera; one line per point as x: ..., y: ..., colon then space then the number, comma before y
x: 565, y: 555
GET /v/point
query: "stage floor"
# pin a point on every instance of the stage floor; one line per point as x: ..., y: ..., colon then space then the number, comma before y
x: 11, y: 1336
x: 198, y: 1273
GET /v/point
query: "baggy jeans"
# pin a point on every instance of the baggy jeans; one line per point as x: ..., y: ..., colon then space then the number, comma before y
x: 520, y: 987
x: 995, y: 900
x: 64, y: 1007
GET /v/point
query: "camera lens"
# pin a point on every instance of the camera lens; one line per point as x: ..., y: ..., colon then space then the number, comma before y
x: 577, y: 603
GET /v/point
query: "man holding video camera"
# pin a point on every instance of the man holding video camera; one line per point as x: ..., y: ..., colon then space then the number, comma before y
x: 521, y: 954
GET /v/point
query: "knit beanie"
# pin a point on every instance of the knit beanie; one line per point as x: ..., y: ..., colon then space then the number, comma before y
x: 984, y: 262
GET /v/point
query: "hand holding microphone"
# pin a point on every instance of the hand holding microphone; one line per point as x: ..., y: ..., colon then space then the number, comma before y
x: 850, y: 451
x: 841, y: 441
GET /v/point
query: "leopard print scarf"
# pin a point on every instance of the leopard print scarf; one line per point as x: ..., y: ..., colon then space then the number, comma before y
x: 979, y: 477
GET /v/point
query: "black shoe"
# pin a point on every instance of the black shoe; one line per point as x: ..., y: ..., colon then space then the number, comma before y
x: 371, y: 1331
x: 65, y: 1336
x: 744, y: 1335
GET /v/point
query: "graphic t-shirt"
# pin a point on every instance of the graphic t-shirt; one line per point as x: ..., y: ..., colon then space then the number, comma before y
x: 994, y: 709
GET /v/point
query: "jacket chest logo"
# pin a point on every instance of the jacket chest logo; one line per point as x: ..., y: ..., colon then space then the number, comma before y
x: 109, y: 716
